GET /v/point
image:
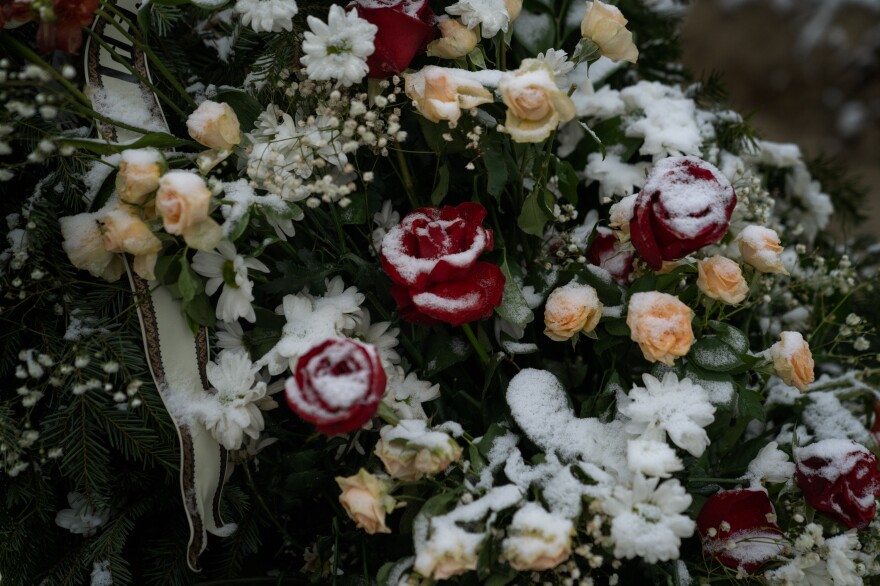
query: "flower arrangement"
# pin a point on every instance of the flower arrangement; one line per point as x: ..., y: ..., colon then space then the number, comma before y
x: 540, y: 308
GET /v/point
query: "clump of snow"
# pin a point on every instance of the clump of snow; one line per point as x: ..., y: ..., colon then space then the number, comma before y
x: 839, y: 457
x: 771, y: 464
x: 101, y: 575
x: 616, y: 178
x: 133, y: 112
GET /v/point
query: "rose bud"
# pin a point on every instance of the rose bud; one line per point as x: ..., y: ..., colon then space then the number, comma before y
x: 839, y: 478
x: 410, y: 451
x: 685, y: 205
x: 337, y: 385
x: 535, y: 104
x: 183, y: 201
x: 84, y: 245
x: 64, y: 31
x: 366, y: 500
x: 537, y: 540
x: 514, y: 7
x: 720, y: 278
x: 457, y: 40
x: 611, y: 254
x: 661, y: 325
x: 139, y: 172
x: 746, y: 518
x: 441, y: 93
x: 760, y: 248
x: 214, y: 125
x: 405, y: 28
x: 605, y: 25
x: 571, y: 309
x: 792, y: 360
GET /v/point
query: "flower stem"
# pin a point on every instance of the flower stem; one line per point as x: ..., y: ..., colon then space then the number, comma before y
x: 408, y: 184
x: 387, y: 414
x: 269, y: 512
x: 481, y: 352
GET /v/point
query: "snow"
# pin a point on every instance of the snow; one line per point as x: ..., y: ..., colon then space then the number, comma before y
x: 123, y: 109
x: 238, y: 198
x: 98, y: 172
x: 771, y: 464
x: 519, y: 347
x: 616, y: 178
x: 828, y: 419
x: 101, y: 574
x: 839, y: 457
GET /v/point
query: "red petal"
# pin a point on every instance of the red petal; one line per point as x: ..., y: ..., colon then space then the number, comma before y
x: 642, y: 232
x: 471, y: 298
x: 399, y: 39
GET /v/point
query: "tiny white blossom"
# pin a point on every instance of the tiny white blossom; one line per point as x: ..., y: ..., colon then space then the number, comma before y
x: 267, y: 16
x: 491, y: 15
x: 226, y: 267
x: 405, y: 394
x: 338, y: 49
x: 81, y: 518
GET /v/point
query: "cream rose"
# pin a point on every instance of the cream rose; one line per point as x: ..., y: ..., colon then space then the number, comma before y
x: 366, y: 500
x: 139, y: 172
x: 441, y: 93
x: 760, y: 248
x: 124, y: 231
x: 410, y: 451
x: 621, y: 214
x: 605, y: 25
x: 183, y: 201
x: 720, y: 278
x: 571, y: 309
x: 661, y: 325
x: 456, y: 41
x: 792, y: 360
x: 455, y: 553
x: 535, y: 105
x: 537, y: 540
x: 214, y: 125
x: 84, y: 245
x: 514, y: 7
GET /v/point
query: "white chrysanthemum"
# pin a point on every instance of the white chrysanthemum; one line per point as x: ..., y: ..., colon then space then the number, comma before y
x: 381, y: 335
x: 681, y: 408
x: 405, y: 394
x: 831, y: 563
x: 384, y: 219
x: 647, y: 519
x: 558, y: 61
x: 230, y: 335
x: 81, y: 518
x: 267, y: 16
x: 226, y: 267
x: 490, y: 15
x: 338, y: 49
x: 652, y: 456
x: 232, y: 413
x: 771, y: 464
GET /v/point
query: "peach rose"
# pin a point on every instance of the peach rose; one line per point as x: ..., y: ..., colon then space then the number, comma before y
x: 455, y: 552
x: 537, y: 540
x: 125, y: 231
x: 84, y: 245
x: 366, y: 500
x: 139, y: 172
x: 214, y: 125
x: 456, y: 41
x: 760, y: 248
x: 410, y: 451
x: 720, y: 278
x: 605, y: 25
x: 514, y: 7
x: 571, y: 309
x: 535, y: 105
x: 792, y: 360
x: 441, y: 93
x: 183, y: 201
x: 661, y: 325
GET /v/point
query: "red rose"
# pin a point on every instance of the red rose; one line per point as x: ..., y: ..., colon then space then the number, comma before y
x: 405, y: 28
x: 747, y: 518
x: 685, y: 205
x: 608, y: 252
x: 64, y: 33
x: 337, y: 385
x: 14, y: 13
x: 432, y: 258
x: 839, y: 478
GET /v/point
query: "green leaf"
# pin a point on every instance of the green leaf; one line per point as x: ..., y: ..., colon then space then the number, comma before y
x: 714, y: 355
x: 617, y: 327
x: 443, y: 351
x: 246, y: 107
x: 749, y: 405
x: 497, y: 169
x: 442, y: 186
x: 609, y: 293
x: 188, y: 282
x: 708, y: 379
x: 733, y: 337
x: 533, y: 218
x: 200, y: 310
x: 513, y: 306
x: 105, y: 191
x: 356, y: 211
x: 240, y: 226
x: 160, y: 140
x: 568, y: 181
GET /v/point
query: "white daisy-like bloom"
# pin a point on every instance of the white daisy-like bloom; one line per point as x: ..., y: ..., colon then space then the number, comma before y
x: 647, y: 519
x: 558, y: 61
x: 384, y: 220
x: 267, y: 16
x: 771, y: 464
x: 226, y: 267
x: 230, y: 335
x: 379, y: 334
x: 831, y: 561
x: 651, y: 455
x: 405, y: 393
x: 81, y: 518
x: 490, y: 15
x: 681, y: 408
x: 232, y: 413
x: 338, y: 49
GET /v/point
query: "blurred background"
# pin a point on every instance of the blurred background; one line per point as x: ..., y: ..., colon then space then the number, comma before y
x: 808, y: 71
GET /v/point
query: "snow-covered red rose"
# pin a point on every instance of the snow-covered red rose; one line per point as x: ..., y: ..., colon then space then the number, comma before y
x: 432, y: 258
x: 744, y: 518
x: 685, y: 205
x: 405, y: 28
x: 611, y: 254
x: 337, y: 385
x: 839, y: 478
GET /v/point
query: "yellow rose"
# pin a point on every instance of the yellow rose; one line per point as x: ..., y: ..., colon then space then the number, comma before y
x: 441, y: 93
x: 457, y: 40
x: 125, y: 231
x: 760, y: 248
x: 410, y: 451
x: 214, y: 125
x: 535, y: 105
x: 720, y: 278
x: 84, y: 245
x: 537, y: 540
x: 139, y: 172
x: 183, y: 201
x: 792, y: 360
x: 571, y: 309
x: 661, y: 325
x: 605, y: 25
x: 366, y: 500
